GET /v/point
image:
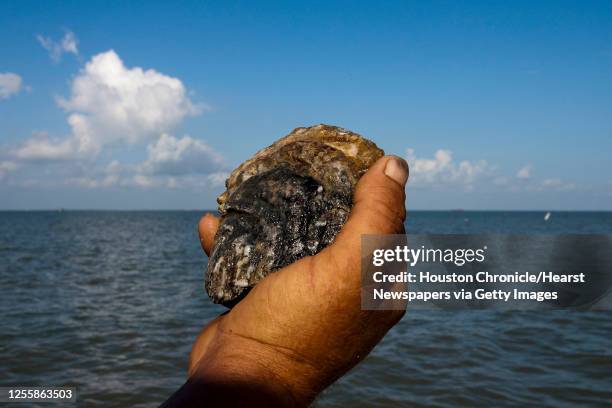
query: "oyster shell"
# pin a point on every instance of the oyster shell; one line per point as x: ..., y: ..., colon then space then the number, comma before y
x: 286, y: 202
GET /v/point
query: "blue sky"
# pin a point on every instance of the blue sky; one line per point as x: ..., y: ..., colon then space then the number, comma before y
x: 496, y: 105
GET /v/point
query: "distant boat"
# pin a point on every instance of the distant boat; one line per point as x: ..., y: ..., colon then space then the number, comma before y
x: 547, y: 216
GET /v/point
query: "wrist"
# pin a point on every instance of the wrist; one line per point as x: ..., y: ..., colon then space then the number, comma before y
x: 260, y: 374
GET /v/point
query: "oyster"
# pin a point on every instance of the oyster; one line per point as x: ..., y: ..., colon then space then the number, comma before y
x: 286, y: 202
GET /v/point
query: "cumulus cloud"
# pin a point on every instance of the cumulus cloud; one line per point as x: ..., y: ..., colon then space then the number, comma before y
x: 175, y: 157
x: 44, y: 148
x: 109, y: 107
x: 67, y: 45
x: 111, y: 104
x: 524, y: 172
x: 10, y: 84
x: 171, y: 162
x: 174, y: 162
x: 442, y: 169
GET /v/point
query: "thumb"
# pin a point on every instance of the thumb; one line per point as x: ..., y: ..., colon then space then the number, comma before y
x: 378, y: 208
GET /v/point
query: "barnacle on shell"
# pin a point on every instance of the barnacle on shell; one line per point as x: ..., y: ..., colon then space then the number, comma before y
x: 286, y: 202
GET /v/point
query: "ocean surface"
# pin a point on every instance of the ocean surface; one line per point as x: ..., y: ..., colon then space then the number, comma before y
x: 110, y: 302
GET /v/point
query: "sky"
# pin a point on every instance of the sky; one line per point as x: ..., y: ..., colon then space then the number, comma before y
x: 134, y: 105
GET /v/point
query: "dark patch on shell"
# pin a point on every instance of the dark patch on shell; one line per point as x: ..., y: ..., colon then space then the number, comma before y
x: 288, y: 201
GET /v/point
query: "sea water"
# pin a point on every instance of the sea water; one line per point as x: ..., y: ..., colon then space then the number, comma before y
x: 110, y: 303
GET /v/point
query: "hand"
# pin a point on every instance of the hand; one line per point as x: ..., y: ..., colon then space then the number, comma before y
x: 302, y: 327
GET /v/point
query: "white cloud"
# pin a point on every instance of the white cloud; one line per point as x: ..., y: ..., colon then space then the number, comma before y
x: 67, y: 45
x: 442, y: 169
x: 10, y: 84
x: 175, y: 157
x: 524, y: 172
x: 171, y: 162
x: 41, y: 148
x: 111, y: 104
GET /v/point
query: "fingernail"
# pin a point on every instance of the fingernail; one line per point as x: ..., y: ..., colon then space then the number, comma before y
x: 397, y: 169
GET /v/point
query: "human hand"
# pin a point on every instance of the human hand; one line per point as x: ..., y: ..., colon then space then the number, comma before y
x: 302, y: 327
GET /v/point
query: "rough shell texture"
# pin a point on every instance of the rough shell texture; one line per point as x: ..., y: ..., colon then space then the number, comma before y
x: 286, y: 202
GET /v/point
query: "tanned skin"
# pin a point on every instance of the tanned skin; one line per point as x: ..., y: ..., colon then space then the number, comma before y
x: 302, y: 327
